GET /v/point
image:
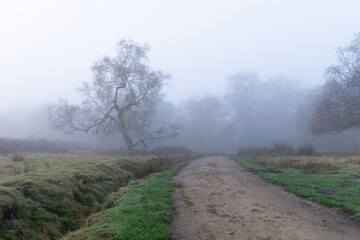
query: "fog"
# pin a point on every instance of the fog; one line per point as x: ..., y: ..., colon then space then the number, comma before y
x: 243, y: 73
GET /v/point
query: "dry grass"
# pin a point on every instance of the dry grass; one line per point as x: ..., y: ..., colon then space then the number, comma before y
x: 39, y: 162
x: 312, y: 164
x: 278, y: 149
x: 50, y: 162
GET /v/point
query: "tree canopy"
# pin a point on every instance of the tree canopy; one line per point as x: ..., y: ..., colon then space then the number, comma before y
x: 120, y: 99
x: 337, y: 107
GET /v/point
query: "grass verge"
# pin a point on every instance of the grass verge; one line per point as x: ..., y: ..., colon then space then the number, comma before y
x: 47, y: 203
x: 328, y: 187
x: 140, y: 211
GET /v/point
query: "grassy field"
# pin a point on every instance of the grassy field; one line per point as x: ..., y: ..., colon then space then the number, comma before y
x: 45, y: 196
x: 330, y: 180
x: 139, y: 211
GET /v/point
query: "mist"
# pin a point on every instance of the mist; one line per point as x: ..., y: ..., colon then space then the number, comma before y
x: 243, y: 73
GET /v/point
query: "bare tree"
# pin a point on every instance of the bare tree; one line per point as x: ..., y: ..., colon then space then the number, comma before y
x: 261, y: 112
x: 203, y: 119
x: 337, y: 107
x: 121, y: 98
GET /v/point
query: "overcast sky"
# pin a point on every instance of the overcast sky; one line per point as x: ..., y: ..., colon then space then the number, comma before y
x: 47, y: 47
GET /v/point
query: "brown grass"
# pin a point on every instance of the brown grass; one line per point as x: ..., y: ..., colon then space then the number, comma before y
x: 311, y: 164
x: 45, y: 162
x: 278, y: 149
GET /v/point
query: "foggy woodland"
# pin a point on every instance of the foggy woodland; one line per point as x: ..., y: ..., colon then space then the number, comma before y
x: 250, y: 112
x: 177, y: 119
x: 140, y: 92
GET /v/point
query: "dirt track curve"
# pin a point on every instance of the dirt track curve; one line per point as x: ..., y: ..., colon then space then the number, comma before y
x: 229, y: 202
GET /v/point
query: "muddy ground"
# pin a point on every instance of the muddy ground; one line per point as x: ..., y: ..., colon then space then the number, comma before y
x: 229, y: 202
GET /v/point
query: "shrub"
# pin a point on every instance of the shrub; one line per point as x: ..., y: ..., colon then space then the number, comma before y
x: 169, y: 150
x: 277, y: 149
x: 306, y: 150
x: 253, y: 151
x: 27, y: 167
x: 18, y: 157
x: 47, y: 164
x: 283, y: 149
x: 13, y: 170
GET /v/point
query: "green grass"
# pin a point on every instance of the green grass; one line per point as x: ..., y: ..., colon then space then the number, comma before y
x: 48, y: 202
x: 176, y: 185
x: 188, y: 202
x: 331, y: 188
x: 139, y: 211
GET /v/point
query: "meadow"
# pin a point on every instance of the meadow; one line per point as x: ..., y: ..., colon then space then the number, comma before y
x: 46, y: 195
x: 331, y: 179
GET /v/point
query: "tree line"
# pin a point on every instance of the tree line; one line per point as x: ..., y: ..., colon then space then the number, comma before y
x: 125, y: 97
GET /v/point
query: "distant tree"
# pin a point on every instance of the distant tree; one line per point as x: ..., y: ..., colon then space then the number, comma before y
x: 120, y: 98
x: 261, y: 112
x: 203, y: 119
x: 337, y: 106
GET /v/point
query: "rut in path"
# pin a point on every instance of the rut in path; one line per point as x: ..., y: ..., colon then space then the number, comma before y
x: 229, y: 202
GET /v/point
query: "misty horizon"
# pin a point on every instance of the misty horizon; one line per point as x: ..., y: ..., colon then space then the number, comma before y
x: 49, y: 48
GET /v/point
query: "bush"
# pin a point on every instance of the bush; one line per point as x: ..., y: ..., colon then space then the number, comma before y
x: 18, y: 157
x: 169, y: 150
x: 283, y: 149
x: 306, y: 150
x: 253, y: 151
x: 27, y: 167
x: 277, y: 149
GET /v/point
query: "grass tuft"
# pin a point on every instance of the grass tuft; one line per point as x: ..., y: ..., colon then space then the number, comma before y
x: 188, y: 202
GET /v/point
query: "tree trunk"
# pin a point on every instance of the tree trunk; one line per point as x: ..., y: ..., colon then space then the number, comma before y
x: 128, y: 142
x: 124, y: 133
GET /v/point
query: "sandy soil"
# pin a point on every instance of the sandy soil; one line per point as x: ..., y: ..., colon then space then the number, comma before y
x: 229, y: 202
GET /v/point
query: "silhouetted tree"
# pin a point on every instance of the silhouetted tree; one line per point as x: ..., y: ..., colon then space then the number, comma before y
x: 203, y: 120
x: 337, y: 106
x: 121, y: 98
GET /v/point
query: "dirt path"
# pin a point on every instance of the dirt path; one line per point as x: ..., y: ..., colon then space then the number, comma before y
x: 229, y: 202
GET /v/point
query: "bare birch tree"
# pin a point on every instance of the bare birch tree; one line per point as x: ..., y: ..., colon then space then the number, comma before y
x: 120, y: 98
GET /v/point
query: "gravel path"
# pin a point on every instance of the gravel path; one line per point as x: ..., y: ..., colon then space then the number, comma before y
x: 229, y: 202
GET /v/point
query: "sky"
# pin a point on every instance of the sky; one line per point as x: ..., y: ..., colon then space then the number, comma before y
x: 48, y: 47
